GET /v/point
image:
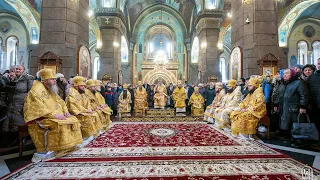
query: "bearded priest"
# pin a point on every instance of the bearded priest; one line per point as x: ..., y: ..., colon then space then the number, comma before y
x: 179, y: 97
x: 79, y: 106
x: 140, y: 99
x: 245, y: 118
x: 50, y: 124
x: 220, y: 93
x: 99, y: 111
x: 102, y: 102
x: 229, y: 103
x: 197, y: 103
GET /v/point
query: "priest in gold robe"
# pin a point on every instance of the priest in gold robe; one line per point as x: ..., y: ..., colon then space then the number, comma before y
x: 140, y: 99
x: 50, y: 125
x: 197, y: 103
x: 160, y: 86
x: 245, y: 118
x: 229, y: 103
x: 124, y: 106
x: 102, y: 102
x: 99, y: 111
x: 160, y: 99
x: 179, y: 97
x: 220, y: 93
x: 79, y: 106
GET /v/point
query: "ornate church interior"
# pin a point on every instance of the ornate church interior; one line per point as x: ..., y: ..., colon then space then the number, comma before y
x: 174, y: 89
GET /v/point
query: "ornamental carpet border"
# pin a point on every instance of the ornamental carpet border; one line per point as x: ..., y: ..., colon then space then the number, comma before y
x: 284, y: 168
x: 197, y: 140
x: 162, y: 119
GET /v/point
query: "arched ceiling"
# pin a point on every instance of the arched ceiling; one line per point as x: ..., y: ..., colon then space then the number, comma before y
x: 5, y: 7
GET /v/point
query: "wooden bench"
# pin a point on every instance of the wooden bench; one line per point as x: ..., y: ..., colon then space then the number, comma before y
x: 23, y: 132
x: 266, y: 122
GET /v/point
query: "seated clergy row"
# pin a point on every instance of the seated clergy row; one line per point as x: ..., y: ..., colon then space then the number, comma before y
x: 227, y: 112
x: 58, y: 126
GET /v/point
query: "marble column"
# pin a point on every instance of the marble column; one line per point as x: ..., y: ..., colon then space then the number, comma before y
x: 64, y: 28
x: 111, y: 30
x: 254, y: 28
x: 208, y: 32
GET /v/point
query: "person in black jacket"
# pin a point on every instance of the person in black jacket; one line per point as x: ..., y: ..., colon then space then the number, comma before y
x: 314, y: 87
x: 294, y: 100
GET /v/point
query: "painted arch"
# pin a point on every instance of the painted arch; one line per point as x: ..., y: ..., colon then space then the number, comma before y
x: 290, y: 18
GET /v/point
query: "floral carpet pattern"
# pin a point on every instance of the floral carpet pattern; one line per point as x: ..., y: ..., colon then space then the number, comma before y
x: 167, y: 151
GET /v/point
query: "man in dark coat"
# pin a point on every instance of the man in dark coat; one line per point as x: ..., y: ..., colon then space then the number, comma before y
x: 210, y: 94
x: 170, y: 89
x: 314, y: 87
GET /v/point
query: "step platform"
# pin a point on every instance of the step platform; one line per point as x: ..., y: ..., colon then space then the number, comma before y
x: 160, y: 112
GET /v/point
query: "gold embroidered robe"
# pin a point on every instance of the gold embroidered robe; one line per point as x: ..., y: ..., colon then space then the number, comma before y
x: 101, y: 115
x: 246, y: 122
x: 40, y: 107
x: 124, y: 104
x: 161, y: 88
x: 78, y: 105
x: 107, y: 109
x: 229, y: 103
x: 160, y: 100
x: 197, y: 104
x: 140, y: 100
x: 215, y: 104
x: 179, y: 97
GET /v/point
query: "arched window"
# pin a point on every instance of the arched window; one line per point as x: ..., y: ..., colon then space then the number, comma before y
x: 108, y: 3
x: 302, y: 52
x: 195, y: 50
x: 96, y: 67
x: 34, y: 36
x: 124, y: 50
x: 211, y: 4
x: 222, y: 67
x: 316, y: 52
x: 12, y: 50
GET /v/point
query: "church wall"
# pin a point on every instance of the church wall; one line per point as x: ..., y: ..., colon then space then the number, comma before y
x: 297, y: 35
x: 64, y: 28
x: 18, y: 30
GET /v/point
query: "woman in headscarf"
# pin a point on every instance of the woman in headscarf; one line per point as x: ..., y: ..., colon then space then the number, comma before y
x: 294, y: 97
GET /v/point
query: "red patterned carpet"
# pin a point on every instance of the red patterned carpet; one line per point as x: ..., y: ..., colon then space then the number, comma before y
x: 167, y: 151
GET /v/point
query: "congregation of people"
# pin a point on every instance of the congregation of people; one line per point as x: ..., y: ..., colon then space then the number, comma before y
x: 65, y: 114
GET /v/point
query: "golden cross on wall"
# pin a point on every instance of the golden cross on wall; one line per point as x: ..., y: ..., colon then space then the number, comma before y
x: 108, y: 21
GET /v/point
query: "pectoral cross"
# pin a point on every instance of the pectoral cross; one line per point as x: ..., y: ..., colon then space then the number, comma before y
x: 108, y: 21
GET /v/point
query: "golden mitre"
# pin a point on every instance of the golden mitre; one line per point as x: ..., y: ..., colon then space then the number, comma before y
x: 78, y: 81
x: 125, y: 86
x: 106, y: 78
x: 213, y: 79
x: 90, y: 83
x: 139, y: 83
x: 254, y: 82
x: 97, y: 83
x: 232, y: 83
x: 47, y: 74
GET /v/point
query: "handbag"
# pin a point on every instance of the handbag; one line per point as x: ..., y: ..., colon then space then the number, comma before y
x: 304, y: 130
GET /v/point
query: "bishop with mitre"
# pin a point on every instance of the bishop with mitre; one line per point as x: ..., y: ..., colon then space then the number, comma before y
x: 50, y: 125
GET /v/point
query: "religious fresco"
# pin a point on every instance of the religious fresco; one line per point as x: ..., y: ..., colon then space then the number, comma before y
x: 290, y: 18
x: 235, y: 66
x: 35, y: 4
x: 195, y: 50
x: 84, y: 62
x: 184, y: 7
x: 5, y: 27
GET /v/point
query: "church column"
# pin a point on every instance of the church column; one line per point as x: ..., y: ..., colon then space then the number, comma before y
x: 64, y: 28
x: 254, y: 28
x: 207, y: 28
x: 111, y: 28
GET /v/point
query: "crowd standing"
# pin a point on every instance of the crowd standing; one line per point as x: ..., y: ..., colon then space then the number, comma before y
x: 86, y: 105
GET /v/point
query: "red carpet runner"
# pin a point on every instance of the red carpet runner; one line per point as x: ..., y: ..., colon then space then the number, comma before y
x: 167, y: 151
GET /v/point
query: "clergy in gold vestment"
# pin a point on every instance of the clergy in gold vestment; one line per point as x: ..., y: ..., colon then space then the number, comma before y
x: 229, y: 103
x: 179, y: 97
x: 197, y: 103
x: 160, y: 99
x: 220, y: 93
x: 50, y: 124
x: 140, y: 99
x: 79, y: 106
x: 124, y: 106
x: 245, y: 118
x: 102, y: 101
x: 99, y: 112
